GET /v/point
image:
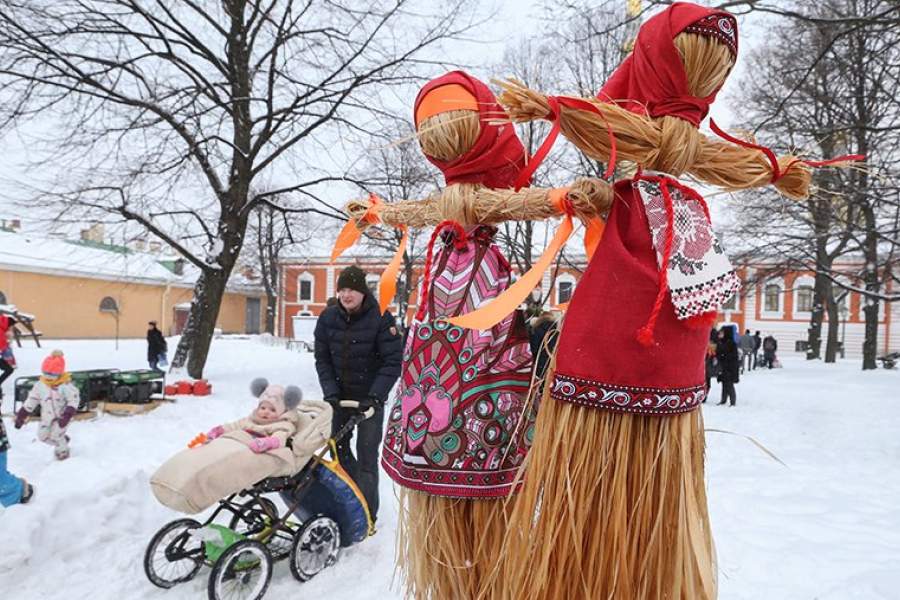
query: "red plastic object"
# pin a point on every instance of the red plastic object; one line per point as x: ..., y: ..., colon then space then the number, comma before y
x: 170, y: 390
x: 202, y: 388
x: 184, y: 387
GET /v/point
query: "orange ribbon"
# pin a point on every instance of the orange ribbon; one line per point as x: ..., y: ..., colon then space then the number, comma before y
x: 503, y: 305
x: 593, y: 232
x: 351, y: 233
x: 387, y: 288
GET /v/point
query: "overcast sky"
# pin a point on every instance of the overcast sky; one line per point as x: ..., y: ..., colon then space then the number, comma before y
x: 514, y: 18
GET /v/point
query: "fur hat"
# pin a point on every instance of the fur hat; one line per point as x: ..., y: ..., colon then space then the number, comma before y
x: 282, y: 398
x: 54, y: 365
x: 354, y: 278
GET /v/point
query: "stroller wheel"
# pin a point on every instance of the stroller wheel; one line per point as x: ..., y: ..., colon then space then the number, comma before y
x: 316, y: 547
x: 255, y: 516
x: 168, y: 560
x: 242, y: 572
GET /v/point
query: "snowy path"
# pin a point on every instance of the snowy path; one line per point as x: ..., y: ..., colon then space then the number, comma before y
x: 827, y: 527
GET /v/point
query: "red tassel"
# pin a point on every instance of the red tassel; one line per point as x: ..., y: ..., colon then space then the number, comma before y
x: 645, y: 333
x: 645, y: 336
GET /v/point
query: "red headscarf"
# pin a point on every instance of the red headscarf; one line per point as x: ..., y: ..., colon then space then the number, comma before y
x: 652, y: 79
x: 497, y: 155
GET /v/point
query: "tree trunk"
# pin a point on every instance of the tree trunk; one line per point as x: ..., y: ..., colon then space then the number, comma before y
x: 814, y: 333
x: 195, y: 341
x: 834, y: 324
x: 271, y: 305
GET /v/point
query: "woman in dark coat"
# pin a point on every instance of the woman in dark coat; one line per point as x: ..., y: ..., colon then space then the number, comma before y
x: 156, y: 346
x: 729, y: 366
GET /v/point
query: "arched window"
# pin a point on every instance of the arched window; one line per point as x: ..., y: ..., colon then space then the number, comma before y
x: 108, y: 304
x: 565, y: 287
x: 305, y: 287
x: 772, y: 298
x: 805, y: 298
x: 2, y: 298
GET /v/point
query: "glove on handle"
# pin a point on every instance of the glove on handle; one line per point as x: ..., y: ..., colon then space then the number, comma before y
x: 215, y: 432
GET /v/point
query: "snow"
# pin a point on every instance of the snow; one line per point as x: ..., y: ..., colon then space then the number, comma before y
x: 825, y: 526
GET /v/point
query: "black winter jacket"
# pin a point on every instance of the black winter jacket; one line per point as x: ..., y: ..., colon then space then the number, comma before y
x: 358, y: 356
x: 156, y: 344
x: 729, y: 362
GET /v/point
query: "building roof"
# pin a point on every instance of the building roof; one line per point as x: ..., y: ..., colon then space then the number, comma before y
x: 33, y: 254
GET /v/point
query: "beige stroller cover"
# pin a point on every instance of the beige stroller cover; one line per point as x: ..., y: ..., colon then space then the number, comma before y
x: 195, y: 479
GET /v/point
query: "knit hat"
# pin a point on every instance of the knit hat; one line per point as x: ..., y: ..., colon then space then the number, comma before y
x: 354, y: 278
x: 282, y: 398
x: 54, y: 365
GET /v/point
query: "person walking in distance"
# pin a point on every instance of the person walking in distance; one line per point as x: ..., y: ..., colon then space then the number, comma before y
x: 746, y: 346
x: 757, y: 345
x: 156, y: 347
x: 770, y: 347
x: 358, y: 353
x: 729, y: 366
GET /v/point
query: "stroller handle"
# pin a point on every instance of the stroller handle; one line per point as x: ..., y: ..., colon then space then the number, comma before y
x: 354, y: 404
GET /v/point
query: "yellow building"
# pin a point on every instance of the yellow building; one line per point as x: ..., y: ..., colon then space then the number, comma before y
x: 87, y: 289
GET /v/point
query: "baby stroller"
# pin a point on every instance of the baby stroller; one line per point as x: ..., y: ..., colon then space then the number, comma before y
x: 245, y: 535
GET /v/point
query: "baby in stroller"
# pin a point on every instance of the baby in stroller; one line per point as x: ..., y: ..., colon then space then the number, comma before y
x: 324, y: 509
x: 278, y: 438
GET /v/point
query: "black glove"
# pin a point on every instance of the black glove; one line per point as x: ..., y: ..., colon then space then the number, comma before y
x: 370, y: 402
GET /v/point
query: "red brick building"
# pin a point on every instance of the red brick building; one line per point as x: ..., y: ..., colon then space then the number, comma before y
x: 778, y: 305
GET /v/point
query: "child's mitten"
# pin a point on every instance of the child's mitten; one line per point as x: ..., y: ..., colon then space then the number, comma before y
x: 20, y: 417
x: 215, y: 432
x: 67, y: 414
x: 265, y: 444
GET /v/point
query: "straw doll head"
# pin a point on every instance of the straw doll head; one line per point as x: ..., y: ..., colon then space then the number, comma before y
x: 655, y: 101
x: 453, y: 115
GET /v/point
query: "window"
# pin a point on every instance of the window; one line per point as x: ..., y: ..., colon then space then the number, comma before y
x: 565, y: 286
x: 805, y: 297
x: 731, y: 304
x: 372, y: 282
x: 109, y: 305
x: 565, y: 292
x: 305, y: 287
x: 772, y: 298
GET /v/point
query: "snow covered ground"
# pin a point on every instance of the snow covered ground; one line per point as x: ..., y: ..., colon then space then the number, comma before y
x: 825, y: 527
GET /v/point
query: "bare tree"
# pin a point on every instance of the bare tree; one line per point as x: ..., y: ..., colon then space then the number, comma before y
x: 396, y: 170
x: 172, y: 110
x: 830, y: 92
x: 271, y: 231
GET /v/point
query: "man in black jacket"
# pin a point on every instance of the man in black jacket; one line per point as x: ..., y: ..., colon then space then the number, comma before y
x: 156, y: 346
x: 358, y: 354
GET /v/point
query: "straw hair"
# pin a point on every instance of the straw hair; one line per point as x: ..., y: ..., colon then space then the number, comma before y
x: 667, y: 144
x: 471, y: 203
x: 613, y: 506
x: 447, y: 547
x: 449, y: 135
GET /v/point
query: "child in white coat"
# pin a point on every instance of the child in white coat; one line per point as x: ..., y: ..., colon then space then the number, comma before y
x: 58, y: 399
